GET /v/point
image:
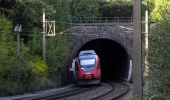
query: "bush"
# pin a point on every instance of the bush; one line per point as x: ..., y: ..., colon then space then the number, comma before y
x: 26, y: 71
x: 159, y: 64
x: 22, y: 74
x: 19, y: 73
x: 57, y: 54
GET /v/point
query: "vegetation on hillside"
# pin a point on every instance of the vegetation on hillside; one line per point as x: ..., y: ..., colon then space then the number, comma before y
x: 158, y: 80
x: 85, y: 8
x: 117, y: 8
x: 101, y: 8
x: 27, y: 72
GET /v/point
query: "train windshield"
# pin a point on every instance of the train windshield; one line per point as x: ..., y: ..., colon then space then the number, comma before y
x: 87, y: 62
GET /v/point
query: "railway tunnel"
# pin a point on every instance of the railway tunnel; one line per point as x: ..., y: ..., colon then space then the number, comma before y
x: 113, y: 58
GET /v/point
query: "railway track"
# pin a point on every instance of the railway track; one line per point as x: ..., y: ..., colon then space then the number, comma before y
x: 64, y: 94
x: 118, y: 90
x: 122, y: 92
x: 104, y: 94
x: 106, y: 91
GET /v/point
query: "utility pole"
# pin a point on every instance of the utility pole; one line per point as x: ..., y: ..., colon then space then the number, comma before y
x: 18, y: 30
x: 44, y: 39
x: 18, y: 44
x: 137, y: 52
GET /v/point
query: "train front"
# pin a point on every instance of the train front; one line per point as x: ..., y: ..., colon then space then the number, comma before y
x: 88, y: 69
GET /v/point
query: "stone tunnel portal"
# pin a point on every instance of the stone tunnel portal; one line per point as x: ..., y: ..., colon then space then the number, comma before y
x: 113, y: 57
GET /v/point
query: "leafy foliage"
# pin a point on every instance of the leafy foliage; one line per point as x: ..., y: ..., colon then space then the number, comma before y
x: 27, y: 72
x: 37, y: 66
x: 34, y: 43
x: 56, y: 54
x: 61, y: 13
x: 57, y: 47
x: 85, y: 8
x: 159, y: 60
x: 5, y: 27
x: 159, y: 48
x: 117, y: 9
x: 159, y: 9
x: 17, y: 73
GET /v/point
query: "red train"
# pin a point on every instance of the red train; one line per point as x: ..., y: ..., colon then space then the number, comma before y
x: 86, y: 68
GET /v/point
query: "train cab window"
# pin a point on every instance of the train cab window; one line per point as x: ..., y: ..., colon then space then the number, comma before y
x: 87, y: 62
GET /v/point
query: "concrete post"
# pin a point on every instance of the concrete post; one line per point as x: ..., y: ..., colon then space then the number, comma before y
x: 18, y: 44
x: 146, y: 43
x: 44, y: 39
x: 137, y: 52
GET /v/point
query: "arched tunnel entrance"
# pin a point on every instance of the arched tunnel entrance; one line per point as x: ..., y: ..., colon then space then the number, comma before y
x: 113, y: 57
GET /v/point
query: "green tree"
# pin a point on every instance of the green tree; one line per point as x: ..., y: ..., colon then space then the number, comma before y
x: 18, y: 74
x: 159, y: 48
x: 85, y: 8
x: 159, y: 65
x: 57, y: 54
x: 159, y: 9
x: 60, y: 13
x: 5, y: 30
x: 57, y: 47
x: 117, y: 9
x: 28, y: 72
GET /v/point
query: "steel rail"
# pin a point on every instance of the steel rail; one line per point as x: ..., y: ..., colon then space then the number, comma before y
x: 102, y: 95
x: 64, y: 94
x: 113, y: 91
x: 125, y: 92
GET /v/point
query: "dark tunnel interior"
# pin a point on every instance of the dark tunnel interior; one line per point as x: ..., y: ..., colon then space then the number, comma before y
x: 113, y: 59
